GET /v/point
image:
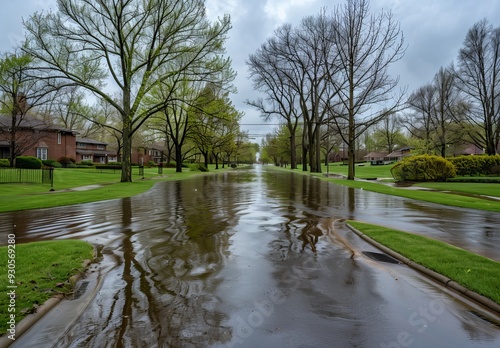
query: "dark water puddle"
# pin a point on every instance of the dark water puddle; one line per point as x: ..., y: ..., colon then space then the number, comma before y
x: 258, y: 258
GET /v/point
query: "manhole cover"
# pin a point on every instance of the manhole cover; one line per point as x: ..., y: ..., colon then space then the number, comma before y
x: 380, y: 257
x: 81, y: 290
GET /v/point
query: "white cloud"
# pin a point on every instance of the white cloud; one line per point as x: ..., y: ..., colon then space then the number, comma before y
x: 280, y: 10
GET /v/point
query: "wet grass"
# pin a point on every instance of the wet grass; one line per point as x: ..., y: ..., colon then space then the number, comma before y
x: 42, y: 270
x: 470, y: 270
x: 445, y: 193
x: 31, y: 196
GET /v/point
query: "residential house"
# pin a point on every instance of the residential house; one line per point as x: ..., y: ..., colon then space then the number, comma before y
x: 48, y: 142
x: 467, y: 149
x: 94, y: 151
x: 36, y: 138
x: 152, y: 153
x: 376, y: 158
x: 398, y: 154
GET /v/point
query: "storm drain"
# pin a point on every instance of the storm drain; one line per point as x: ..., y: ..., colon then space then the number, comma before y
x: 380, y: 257
x: 81, y: 290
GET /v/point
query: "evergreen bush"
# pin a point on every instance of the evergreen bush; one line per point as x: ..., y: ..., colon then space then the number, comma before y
x: 475, y: 165
x: 423, y: 168
x: 28, y: 162
x: 51, y: 163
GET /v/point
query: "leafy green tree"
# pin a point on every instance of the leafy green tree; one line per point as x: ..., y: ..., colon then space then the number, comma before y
x: 132, y: 46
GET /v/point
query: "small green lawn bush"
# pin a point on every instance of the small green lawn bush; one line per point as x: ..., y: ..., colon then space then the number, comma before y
x: 4, y: 162
x: 198, y: 167
x: 87, y: 163
x: 51, y: 163
x: 476, y: 165
x: 67, y: 162
x: 423, y: 168
x: 28, y: 162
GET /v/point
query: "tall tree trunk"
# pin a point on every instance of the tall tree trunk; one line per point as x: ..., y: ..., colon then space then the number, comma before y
x: 127, y: 137
x: 12, y: 144
x: 178, y: 158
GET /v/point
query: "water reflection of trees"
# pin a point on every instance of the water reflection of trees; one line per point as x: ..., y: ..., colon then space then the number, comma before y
x: 182, y: 263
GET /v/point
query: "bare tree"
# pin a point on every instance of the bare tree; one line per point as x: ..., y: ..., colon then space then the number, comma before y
x: 292, y: 68
x: 420, y: 121
x: 368, y: 45
x: 20, y: 93
x: 478, y: 76
x: 268, y: 72
x: 449, y: 107
x: 132, y: 45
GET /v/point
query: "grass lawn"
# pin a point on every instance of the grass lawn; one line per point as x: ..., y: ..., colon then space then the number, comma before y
x: 470, y: 270
x: 32, y: 196
x: 42, y: 270
x: 453, y: 195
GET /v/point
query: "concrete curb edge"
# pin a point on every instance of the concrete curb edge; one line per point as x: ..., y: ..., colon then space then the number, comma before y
x: 27, y: 322
x: 449, y: 283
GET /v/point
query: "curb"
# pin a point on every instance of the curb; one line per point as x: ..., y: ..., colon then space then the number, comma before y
x: 27, y: 322
x: 447, y: 282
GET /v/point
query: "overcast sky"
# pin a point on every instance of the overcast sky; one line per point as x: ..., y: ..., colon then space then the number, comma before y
x: 434, y: 31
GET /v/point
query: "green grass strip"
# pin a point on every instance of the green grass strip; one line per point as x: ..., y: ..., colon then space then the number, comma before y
x: 14, y: 197
x: 475, y: 272
x: 42, y: 270
x: 455, y: 200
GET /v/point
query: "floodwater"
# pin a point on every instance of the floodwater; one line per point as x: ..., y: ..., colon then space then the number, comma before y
x: 256, y: 259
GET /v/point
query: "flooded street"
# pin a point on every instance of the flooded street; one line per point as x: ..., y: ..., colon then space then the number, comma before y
x: 256, y: 259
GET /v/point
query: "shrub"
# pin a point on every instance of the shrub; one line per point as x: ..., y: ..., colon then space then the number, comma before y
x: 198, y: 167
x: 4, y: 162
x: 66, y: 162
x: 233, y: 165
x: 28, y: 162
x: 87, y: 163
x: 51, y: 163
x: 151, y: 164
x: 475, y: 165
x: 423, y: 168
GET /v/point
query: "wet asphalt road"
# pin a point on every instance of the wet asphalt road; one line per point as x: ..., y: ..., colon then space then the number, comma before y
x: 236, y: 260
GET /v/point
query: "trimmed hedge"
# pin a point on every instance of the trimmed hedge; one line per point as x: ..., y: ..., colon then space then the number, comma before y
x: 67, y: 162
x: 198, y: 167
x: 51, y: 163
x: 4, y: 162
x: 476, y: 165
x: 423, y: 168
x: 28, y: 162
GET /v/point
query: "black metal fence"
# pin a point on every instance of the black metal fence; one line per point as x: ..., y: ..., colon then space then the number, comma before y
x: 26, y: 176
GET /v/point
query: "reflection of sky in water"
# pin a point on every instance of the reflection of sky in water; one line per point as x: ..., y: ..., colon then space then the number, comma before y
x: 196, y: 258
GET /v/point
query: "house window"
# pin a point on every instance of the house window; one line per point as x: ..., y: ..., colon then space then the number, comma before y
x: 41, y: 153
x: 101, y: 147
x: 81, y: 145
x: 59, y: 138
x: 87, y: 157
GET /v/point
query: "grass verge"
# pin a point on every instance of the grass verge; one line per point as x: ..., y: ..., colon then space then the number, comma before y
x: 108, y: 186
x: 451, y: 194
x: 42, y: 270
x: 470, y: 270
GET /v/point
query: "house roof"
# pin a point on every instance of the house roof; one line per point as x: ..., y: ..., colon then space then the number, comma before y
x: 31, y: 123
x: 95, y: 152
x: 376, y: 155
x: 90, y: 141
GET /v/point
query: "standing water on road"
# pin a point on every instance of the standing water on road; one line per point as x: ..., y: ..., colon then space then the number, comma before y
x: 257, y: 259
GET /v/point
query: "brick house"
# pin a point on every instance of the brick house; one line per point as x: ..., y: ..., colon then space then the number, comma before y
x: 35, y: 138
x: 48, y: 142
x: 145, y: 154
x: 93, y: 150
